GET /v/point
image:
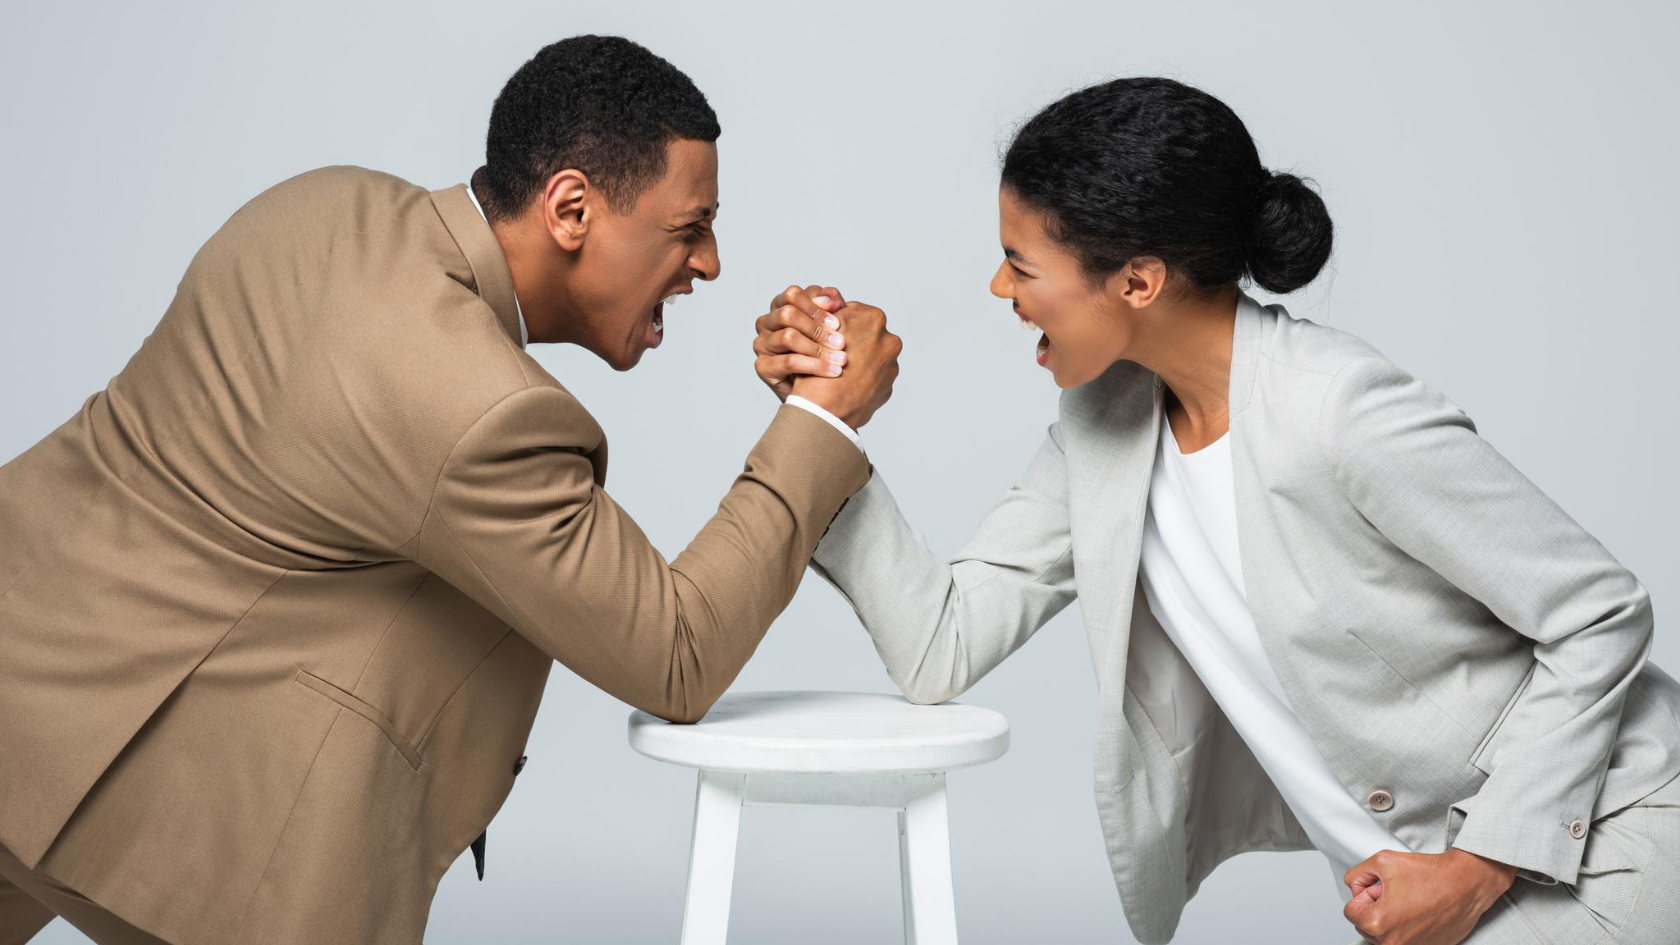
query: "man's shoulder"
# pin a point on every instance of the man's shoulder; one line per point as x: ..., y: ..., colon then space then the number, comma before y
x: 328, y: 199
x: 340, y: 181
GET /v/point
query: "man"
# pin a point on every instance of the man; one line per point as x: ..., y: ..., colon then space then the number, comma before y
x: 278, y: 605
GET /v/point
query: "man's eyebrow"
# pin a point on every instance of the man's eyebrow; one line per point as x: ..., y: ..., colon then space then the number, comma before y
x: 700, y: 213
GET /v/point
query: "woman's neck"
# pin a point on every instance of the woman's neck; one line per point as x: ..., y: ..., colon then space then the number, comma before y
x: 1189, y: 345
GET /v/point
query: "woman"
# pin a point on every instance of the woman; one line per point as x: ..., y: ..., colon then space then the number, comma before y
x: 1412, y: 660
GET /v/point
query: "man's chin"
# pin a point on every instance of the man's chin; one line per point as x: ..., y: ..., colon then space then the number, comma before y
x: 623, y: 361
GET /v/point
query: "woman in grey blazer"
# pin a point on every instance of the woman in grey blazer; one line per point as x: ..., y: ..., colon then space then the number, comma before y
x: 1413, y: 660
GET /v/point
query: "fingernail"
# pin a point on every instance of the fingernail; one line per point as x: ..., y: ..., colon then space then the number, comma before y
x: 833, y: 370
x: 838, y: 357
x: 832, y: 322
x: 836, y: 340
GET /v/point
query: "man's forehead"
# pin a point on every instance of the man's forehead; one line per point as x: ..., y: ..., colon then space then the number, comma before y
x: 698, y: 212
x: 689, y: 190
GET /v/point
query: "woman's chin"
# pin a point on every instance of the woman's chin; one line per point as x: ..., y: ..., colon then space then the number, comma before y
x: 1068, y: 376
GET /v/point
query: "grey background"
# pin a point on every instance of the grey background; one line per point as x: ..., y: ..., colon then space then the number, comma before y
x: 1502, y: 181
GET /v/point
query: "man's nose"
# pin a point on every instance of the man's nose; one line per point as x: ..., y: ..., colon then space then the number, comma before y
x: 706, y: 265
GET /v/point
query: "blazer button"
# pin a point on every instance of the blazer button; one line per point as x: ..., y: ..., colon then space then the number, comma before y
x: 1577, y: 830
x: 519, y: 766
x: 1380, y: 800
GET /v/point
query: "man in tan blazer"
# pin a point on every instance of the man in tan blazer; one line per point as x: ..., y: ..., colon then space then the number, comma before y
x: 278, y: 605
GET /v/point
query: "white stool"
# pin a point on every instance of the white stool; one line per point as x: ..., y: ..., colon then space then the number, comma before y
x: 848, y: 748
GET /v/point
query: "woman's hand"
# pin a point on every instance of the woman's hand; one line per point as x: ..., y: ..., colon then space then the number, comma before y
x: 799, y: 335
x: 1423, y: 898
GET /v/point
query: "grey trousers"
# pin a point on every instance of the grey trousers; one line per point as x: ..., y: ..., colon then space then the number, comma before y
x: 1628, y: 892
x: 29, y: 900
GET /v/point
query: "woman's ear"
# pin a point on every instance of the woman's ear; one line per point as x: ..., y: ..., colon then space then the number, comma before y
x: 1139, y: 282
x: 567, y: 209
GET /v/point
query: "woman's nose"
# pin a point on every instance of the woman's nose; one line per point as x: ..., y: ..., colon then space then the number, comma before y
x: 1002, y: 286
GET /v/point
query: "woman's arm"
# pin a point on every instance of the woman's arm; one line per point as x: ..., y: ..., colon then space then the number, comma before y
x: 1414, y: 465
x: 940, y: 626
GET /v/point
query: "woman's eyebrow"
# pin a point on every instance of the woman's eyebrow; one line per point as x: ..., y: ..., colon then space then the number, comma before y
x: 1014, y: 255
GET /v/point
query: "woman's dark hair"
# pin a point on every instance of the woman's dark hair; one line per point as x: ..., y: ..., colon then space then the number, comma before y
x: 601, y: 104
x: 1152, y: 167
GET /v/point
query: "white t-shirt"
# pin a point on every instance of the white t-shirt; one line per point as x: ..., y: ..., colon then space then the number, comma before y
x: 1192, y: 579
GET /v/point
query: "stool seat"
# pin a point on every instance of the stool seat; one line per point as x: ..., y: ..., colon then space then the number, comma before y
x: 826, y: 732
x: 856, y: 749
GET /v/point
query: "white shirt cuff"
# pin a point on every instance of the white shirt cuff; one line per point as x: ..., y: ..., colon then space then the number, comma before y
x: 794, y: 400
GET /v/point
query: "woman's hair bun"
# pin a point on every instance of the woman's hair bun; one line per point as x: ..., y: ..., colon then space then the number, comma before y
x: 1292, y: 235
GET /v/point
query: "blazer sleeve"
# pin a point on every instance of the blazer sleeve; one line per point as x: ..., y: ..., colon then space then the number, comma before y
x: 519, y: 523
x: 1413, y: 464
x: 939, y: 626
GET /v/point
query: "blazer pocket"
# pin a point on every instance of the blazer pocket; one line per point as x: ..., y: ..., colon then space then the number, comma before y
x: 1484, y: 757
x: 366, y: 711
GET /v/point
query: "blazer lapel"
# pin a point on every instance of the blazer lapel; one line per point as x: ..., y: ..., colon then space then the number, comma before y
x: 492, y: 280
x: 1245, y: 353
x: 1111, y: 427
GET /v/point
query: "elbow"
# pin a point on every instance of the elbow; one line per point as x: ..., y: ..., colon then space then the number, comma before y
x: 1635, y: 614
x: 685, y: 706
x: 920, y: 691
x: 682, y: 713
x: 682, y: 716
x: 685, y: 703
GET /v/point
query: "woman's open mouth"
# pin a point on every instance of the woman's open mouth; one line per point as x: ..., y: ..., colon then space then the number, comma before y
x: 1043, y: 339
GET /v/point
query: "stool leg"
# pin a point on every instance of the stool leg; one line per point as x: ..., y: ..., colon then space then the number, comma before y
x: 711, y: 858
x: 932, y: 917
x: 904, y: 880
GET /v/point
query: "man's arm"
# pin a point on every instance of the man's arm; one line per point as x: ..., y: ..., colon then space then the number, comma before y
x: 519, y: 523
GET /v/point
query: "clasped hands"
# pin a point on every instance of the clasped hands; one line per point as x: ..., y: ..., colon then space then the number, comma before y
x: 838, y: 355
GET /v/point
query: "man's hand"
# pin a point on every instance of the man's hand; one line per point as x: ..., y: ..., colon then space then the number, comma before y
x: 800, y: 335
x: 1423, y: 898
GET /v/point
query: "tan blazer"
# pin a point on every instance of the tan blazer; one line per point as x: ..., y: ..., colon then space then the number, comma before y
x: 278, y: 605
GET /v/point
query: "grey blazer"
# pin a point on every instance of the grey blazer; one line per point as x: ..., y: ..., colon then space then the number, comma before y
x: 1449, y: 637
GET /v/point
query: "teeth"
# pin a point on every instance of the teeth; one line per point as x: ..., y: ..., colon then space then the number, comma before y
x: 1027, y: 325
x: 670, y: 299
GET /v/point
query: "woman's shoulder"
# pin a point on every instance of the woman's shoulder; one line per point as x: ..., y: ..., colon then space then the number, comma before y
x: 1302, y: 344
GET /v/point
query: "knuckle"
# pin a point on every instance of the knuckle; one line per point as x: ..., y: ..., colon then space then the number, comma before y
x: 788, y: 337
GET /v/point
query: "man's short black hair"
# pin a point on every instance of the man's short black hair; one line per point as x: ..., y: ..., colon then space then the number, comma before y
x: 601, y: 104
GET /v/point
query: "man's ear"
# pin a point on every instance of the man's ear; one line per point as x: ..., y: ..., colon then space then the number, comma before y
x: 567, y: 208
